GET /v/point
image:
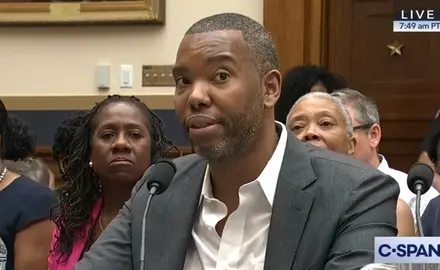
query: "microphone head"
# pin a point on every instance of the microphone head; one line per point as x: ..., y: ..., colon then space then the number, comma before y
x: 420, y: 174
x: 161, y: 175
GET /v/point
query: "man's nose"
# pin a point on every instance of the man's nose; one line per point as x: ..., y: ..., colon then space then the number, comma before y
x: 199, y: 97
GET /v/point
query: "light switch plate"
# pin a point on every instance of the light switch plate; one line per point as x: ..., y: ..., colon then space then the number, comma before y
x: 157, y: 75
x: 126, y: 77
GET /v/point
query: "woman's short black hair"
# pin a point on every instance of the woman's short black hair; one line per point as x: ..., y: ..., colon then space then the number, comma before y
x: 64, y: 135
x: 20, y: 141
x: 17, y: 142
x: 433, y: 147
x: 298, y: 81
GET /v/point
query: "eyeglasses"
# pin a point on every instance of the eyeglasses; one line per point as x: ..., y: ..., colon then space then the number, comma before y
x: 363, y: 127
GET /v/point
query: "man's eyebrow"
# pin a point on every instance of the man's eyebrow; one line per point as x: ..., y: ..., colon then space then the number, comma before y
x: 223, y: 57
x: 178, y: 69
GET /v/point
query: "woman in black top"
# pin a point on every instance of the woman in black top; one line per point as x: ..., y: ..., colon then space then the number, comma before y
x: 434, y: 130
x: 301, y: 80
x: 431, y: 216
x: 25, y: 228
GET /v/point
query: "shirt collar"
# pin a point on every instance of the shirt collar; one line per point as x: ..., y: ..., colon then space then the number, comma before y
x: 383, y: 166
x: 268, y: 178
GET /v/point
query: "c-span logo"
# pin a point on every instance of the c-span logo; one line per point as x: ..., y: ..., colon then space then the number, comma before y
x: 407, y: 249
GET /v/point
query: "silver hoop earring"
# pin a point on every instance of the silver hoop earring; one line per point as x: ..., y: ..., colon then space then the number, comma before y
x: 91, y: 164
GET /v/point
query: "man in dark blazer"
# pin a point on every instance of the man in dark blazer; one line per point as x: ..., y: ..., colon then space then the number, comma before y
x: 431, y: 216
x: 253, y: 197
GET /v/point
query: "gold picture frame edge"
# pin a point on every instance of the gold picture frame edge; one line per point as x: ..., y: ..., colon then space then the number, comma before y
x: 83, y: 13
x: 73, y: 103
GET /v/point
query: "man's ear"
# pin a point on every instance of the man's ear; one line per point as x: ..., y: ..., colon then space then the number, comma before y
x: 272, y: 88
x: 351, y: 145
x: 375, y: 134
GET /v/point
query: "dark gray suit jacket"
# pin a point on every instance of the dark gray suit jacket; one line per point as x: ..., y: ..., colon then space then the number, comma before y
x: 327, y: 210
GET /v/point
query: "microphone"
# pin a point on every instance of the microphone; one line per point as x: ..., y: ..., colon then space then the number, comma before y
x: 419, y: 181
x: 157, y: 182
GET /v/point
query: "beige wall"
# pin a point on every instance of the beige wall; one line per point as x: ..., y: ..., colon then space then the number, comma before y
x: 61, y: 61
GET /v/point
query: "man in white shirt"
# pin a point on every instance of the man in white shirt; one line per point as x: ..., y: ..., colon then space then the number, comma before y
x: 366, y: 124
x: 253, y: 197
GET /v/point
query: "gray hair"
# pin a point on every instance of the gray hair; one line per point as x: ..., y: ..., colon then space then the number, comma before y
x: 341, y: 108
x: 35, y: 169
x: 365, y: 110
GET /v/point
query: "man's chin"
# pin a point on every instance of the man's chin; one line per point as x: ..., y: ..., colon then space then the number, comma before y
x: 209, y: 151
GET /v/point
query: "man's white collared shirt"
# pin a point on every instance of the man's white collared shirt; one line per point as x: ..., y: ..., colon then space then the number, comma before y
x: 244, y: 238
x: 405, y: 193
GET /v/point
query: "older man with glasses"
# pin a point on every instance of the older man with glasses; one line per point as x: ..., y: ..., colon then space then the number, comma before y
x: 367, y: 132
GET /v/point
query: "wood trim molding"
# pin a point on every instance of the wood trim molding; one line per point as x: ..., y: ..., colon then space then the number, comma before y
x: 47, y: 103
x: 298, y: 29
x: 50, y: 13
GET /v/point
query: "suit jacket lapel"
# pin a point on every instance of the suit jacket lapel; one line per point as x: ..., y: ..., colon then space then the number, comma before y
x: 291, y: 206
x: 168, y: 235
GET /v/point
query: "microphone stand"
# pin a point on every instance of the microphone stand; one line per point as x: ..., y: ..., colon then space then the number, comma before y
x: 153, y: 191
x: 419, y: 188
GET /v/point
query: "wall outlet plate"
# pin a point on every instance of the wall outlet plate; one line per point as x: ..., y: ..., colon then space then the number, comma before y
x: 157, y: 75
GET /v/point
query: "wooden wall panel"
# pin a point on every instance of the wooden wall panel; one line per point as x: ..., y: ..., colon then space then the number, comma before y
x: 405, y: 87
x: 299, y: 30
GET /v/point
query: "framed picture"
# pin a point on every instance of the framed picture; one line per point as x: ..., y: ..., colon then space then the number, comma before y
x: 67, y: 12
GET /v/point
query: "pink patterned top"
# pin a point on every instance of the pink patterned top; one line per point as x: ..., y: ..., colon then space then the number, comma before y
x: 78, y: 246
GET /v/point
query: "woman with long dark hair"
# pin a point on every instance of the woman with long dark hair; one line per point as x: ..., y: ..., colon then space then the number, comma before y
x: 25, y: 227
x: 117, y: 141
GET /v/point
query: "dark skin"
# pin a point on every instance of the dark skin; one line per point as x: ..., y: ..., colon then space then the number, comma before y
x: 217, y: 77
x: 120, y: 154
x: 318, y: 121
x: 32, y: 244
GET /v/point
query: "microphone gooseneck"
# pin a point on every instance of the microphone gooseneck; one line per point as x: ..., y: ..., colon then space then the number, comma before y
x: 418, y: 215
x: 157, y: 182
x: 420, y: 178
